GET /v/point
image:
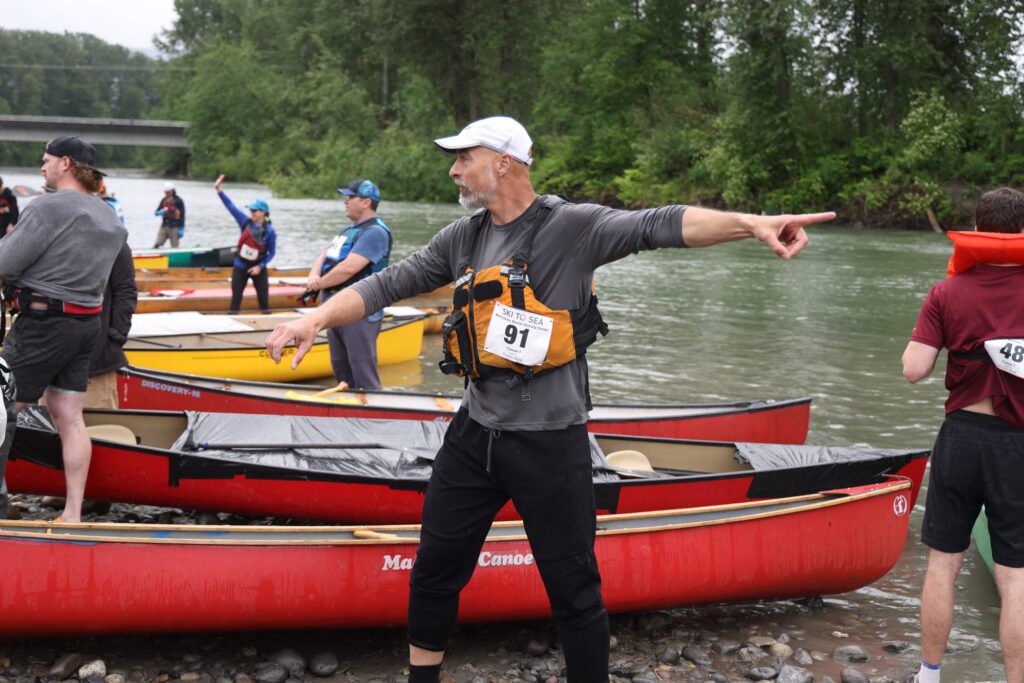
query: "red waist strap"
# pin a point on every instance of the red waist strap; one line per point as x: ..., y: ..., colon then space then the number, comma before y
x: 75, y: 309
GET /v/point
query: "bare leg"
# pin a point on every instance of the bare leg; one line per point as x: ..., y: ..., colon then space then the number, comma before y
x: 66, y: 410
x: 1010, y: 581
x: 421, y: 657
x: 937, y: 603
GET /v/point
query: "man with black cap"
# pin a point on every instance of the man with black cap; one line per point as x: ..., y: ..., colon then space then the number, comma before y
x: 525, y: 313
x: 359, y: 250
x: 55, y: 266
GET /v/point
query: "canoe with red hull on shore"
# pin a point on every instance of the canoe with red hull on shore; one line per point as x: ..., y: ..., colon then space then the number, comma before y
x: 376, y: 471
x: 90, y: 579
x: 767, y: 421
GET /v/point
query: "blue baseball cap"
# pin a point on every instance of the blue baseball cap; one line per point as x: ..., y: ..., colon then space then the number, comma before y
x: 361, y: 188
x: 259, y: 205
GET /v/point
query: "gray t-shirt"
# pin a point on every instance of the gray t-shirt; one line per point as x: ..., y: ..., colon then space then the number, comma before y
x: 64, y: 247
x: 567, y: 249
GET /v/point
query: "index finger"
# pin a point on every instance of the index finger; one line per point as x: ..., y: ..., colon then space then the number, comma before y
x: 812, y: 218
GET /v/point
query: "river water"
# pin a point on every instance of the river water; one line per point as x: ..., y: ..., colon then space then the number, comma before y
x: 727, y: 323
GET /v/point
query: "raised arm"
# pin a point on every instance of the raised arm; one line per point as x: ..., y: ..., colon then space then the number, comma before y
x: 783, y: 234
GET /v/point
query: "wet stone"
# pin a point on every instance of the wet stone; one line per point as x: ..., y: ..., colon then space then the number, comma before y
x: 760, y: 641
x: 897, y: 646
x: 762, y: 673
x: 750, y: 654
x: 537, y: 647
x: 794, y: 674
x: 802, y: 657
x: 669, y: 655
x: 114, y: 678
x: 289, y: 659
x: 783, y: 638
x: 719, y: 678
x: 271, y: 673
x: 65, y: 665
x: 243, y: 678
x: 613, y: 643
x: 96, y: 667
x: 725, y: 647
x: 850, y: 654
x: 697, y: 655
x: 780, y: 650
x: 94, y: 678
x: 818, y: 655
x: 323, y: 664
x: 190, y: 676
x: 647, y: 677
x: 249, y: 651
x: 851, y: 675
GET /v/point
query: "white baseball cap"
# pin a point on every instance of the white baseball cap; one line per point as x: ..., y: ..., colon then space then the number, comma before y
x: 168, y: 187
x: 502, y: 134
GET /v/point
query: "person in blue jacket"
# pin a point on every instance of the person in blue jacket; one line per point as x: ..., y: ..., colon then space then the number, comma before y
x: 256, y: 246
x: 360, y: 249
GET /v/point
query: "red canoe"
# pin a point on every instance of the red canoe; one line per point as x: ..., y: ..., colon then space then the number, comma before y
x: 771, y: 421
x: 344, y: 470
x: 84, y: 579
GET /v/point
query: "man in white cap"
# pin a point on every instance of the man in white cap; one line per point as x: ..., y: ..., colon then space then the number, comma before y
x: 520, y: 342
x: 172, y: 217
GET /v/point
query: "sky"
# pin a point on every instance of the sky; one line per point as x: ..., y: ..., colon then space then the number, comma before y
x: 131, y: 23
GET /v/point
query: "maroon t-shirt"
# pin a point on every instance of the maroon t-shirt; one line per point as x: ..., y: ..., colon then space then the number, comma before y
x: 960, y: 314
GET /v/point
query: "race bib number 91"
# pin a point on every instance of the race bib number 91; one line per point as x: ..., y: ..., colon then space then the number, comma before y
x: 519, y: 336
x: 1007, y: 355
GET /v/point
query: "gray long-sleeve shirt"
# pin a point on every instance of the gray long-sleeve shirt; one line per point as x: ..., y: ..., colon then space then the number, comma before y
x: 64, y: 246
x: 575, y: 241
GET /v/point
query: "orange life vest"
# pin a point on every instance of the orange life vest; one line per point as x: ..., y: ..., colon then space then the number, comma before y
x: 477, y: 293
x: 971, y: 248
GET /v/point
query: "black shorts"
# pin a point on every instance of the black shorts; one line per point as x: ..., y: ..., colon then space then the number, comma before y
x: 47, y: 351
x: 977, y: 460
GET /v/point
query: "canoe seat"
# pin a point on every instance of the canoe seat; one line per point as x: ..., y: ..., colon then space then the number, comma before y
x: 115, y: 433
x: 629, y: 462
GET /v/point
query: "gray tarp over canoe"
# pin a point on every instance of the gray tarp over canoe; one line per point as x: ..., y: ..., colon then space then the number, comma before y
x: 768, y: 456
x: 383, y: 449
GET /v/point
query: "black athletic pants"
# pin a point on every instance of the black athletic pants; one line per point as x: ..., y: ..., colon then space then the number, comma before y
x: 261, y: 283
x: 548, y: 475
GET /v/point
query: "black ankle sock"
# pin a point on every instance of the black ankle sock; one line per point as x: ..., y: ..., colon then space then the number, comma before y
x: 424, y: 674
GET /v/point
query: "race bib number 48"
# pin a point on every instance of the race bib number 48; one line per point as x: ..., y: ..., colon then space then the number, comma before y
x: 1007, y: 355
x: 519, y: 336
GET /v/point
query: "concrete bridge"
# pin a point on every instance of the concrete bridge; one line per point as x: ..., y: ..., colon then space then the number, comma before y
x: 125, y: 132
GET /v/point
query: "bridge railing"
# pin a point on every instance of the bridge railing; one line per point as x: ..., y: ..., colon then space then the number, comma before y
x: 123, y: 132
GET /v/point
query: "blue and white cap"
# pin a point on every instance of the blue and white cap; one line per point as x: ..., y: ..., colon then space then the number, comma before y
x: 361, y: 188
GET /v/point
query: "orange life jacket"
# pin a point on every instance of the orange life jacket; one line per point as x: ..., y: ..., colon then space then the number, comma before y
x: 478, y: 292
x: 971, y: 248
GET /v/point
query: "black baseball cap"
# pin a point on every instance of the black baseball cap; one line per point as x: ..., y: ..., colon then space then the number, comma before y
x: 76, y: 148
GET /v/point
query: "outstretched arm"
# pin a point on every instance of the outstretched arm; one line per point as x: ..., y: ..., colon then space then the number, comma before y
x: 344, y: 308
x: 783, y: 234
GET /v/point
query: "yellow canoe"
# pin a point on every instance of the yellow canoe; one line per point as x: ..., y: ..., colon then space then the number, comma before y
x: 242, y: 355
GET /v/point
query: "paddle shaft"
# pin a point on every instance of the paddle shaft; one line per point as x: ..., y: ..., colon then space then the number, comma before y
x: 143, y: 340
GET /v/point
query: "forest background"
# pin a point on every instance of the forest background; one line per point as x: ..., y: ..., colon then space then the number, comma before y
x: 883, y: 110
